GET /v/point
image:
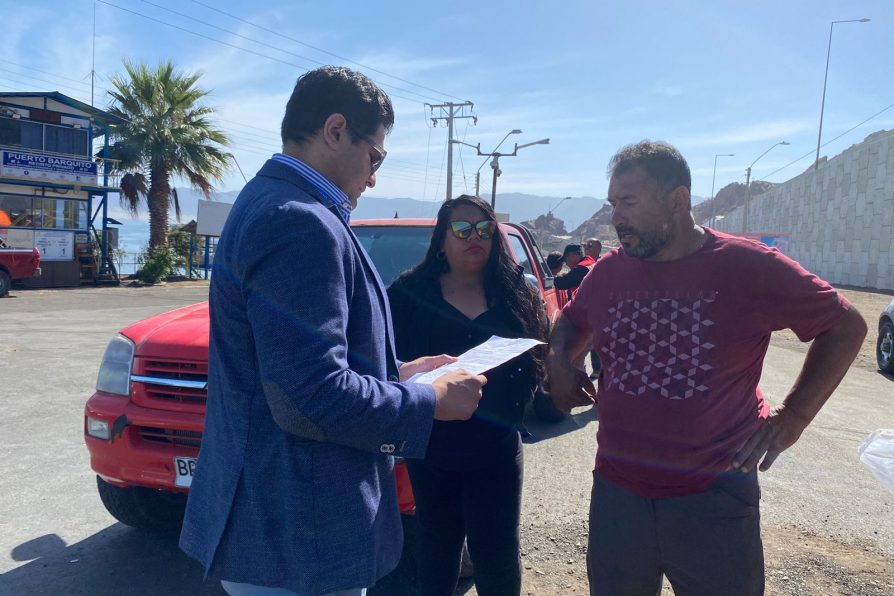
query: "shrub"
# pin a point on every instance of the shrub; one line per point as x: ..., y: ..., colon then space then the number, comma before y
x: 158, y: 263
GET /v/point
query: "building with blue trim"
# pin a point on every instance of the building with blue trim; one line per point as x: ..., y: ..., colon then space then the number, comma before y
x: 53, y: 191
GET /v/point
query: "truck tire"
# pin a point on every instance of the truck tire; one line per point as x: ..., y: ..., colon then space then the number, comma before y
x: 5, y: 283
x: 544, y: 408
x: 884, y: 347
x: 143, y: 508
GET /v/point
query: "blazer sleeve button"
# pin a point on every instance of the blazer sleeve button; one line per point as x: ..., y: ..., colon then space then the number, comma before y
x: 393, y: 378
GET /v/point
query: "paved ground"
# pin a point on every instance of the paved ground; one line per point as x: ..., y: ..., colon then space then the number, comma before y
x: 828, y: 523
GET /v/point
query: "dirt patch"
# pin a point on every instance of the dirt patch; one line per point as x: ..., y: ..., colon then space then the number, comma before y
x: 554, y: 558
x: 797, y: 563
x: 802, y: 563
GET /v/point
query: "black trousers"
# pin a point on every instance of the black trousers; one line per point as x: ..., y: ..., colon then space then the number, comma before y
x: 706, y: 544
x: 482, y: 505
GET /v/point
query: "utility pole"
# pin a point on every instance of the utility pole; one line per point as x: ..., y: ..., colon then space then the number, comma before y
x: 747, y: 199
x: 495, y: 164
x: 449, y: 112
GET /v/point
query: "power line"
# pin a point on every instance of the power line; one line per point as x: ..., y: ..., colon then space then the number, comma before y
x: 811, y: 152
x: 42, y: 88
x: 234, y: 46
x: 307, y: 45
x: 274, y: 132
x: 242, y: 139
x: 267, y: 45
x: 58, y: 76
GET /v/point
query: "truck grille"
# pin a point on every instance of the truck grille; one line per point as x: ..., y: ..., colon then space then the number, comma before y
x: 167, y: 436
x: 170, y: 384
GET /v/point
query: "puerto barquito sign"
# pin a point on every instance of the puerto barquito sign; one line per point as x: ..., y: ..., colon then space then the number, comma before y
x: 47, y: 167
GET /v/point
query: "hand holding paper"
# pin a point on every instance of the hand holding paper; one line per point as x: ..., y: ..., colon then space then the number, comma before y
x: 480, y: 359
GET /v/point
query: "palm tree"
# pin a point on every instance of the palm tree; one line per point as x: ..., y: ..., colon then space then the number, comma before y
x: 167, y: 134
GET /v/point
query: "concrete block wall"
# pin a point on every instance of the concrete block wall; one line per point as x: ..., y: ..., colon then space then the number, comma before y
x: 840, y: 217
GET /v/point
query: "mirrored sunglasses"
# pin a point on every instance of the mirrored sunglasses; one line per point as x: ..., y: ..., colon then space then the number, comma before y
x: 463, y: 229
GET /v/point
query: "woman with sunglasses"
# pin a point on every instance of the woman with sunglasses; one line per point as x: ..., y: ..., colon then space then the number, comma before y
x: 466, y: 289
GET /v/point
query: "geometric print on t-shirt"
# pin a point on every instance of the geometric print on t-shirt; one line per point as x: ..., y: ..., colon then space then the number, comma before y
x: 658, y: 347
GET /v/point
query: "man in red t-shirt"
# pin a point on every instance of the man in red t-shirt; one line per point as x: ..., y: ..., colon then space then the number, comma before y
x: 681, y: 316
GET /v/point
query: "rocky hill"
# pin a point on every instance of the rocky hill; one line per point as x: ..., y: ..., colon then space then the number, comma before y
x: 728, y: 199
x: 551, y: 235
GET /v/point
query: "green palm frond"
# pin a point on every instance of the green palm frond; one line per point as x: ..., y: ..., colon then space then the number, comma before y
x: 167, y: 134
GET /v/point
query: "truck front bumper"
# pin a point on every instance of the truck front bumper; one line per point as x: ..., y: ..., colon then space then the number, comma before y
x: 143, y: 442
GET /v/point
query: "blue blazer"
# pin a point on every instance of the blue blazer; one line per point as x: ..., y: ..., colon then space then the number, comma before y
x: 294, y: 486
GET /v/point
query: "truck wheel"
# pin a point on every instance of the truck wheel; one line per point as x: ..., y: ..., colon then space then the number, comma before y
x: 5, y: 283
x: 143, y: 508
x: 544, y: 408
x: 884, y: 348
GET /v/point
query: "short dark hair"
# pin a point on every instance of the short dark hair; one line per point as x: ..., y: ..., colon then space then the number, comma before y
x: 572, y: 248
x: 331, y: 90
x: 660, y: 160
x: 554, y: 259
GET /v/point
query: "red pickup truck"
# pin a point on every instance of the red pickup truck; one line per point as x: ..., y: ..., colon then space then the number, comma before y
x: 16, y: 264
x: 143, y: 425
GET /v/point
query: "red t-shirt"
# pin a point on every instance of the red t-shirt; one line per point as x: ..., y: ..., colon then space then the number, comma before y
x: 682, y: 344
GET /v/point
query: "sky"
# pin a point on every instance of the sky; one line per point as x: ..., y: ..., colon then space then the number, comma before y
x: 591, y: 76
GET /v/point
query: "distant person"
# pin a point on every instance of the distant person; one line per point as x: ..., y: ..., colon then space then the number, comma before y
x: 682, y: 317
x: 466, y: 289
x: 593, y: 248
x: 5, y: 220
x: 555, y: 263
x: 294, y: 491
x: 578, y: 264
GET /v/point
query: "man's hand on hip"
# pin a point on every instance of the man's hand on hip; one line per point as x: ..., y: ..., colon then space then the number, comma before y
x: 569, y: 387
x: 778, y: 432
x: 458, y: 394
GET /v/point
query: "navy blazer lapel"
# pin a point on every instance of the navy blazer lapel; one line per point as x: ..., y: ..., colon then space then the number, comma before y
x: 275, y: 169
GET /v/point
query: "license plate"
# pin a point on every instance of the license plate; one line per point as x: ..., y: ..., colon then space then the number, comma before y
x: 184, y: 468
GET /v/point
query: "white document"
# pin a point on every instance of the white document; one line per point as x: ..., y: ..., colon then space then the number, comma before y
x: 481, y: 358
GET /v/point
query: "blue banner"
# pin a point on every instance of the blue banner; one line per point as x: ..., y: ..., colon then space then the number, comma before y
x: 48, y: 167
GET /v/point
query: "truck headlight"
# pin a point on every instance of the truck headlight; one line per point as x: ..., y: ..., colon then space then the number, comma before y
x: 98, y: 428
x: 114, y: 372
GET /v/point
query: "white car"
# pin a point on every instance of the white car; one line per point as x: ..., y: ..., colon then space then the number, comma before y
x: 884, y: 348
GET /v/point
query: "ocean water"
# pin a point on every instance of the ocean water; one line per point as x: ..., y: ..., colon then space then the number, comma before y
x: 133, y: 238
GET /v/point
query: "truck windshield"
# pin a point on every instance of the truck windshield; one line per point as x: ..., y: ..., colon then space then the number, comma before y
x: 394, y: 249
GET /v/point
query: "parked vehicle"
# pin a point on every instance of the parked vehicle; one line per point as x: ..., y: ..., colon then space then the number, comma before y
x: 143, y: 425
x: 16, y: 264
x: 884, y: 347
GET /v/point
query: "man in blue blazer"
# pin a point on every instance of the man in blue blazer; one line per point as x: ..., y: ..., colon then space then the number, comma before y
x: 294, y: 491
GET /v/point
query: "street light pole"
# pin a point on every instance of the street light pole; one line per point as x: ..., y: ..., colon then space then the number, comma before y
x: 748, y: 185
x: 551, y: 209
x: 713, y: 178
x: 495, y: 164
x: 819, y: 137
x: 514, y: 131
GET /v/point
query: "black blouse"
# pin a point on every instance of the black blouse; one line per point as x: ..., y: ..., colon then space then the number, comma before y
x: 425, y: 325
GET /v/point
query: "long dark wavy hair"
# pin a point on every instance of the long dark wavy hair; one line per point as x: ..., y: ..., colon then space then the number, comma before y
x: 504, y: 280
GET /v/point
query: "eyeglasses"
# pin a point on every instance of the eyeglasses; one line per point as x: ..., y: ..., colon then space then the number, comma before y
x: 463, y: 229
x: 379, y: 153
